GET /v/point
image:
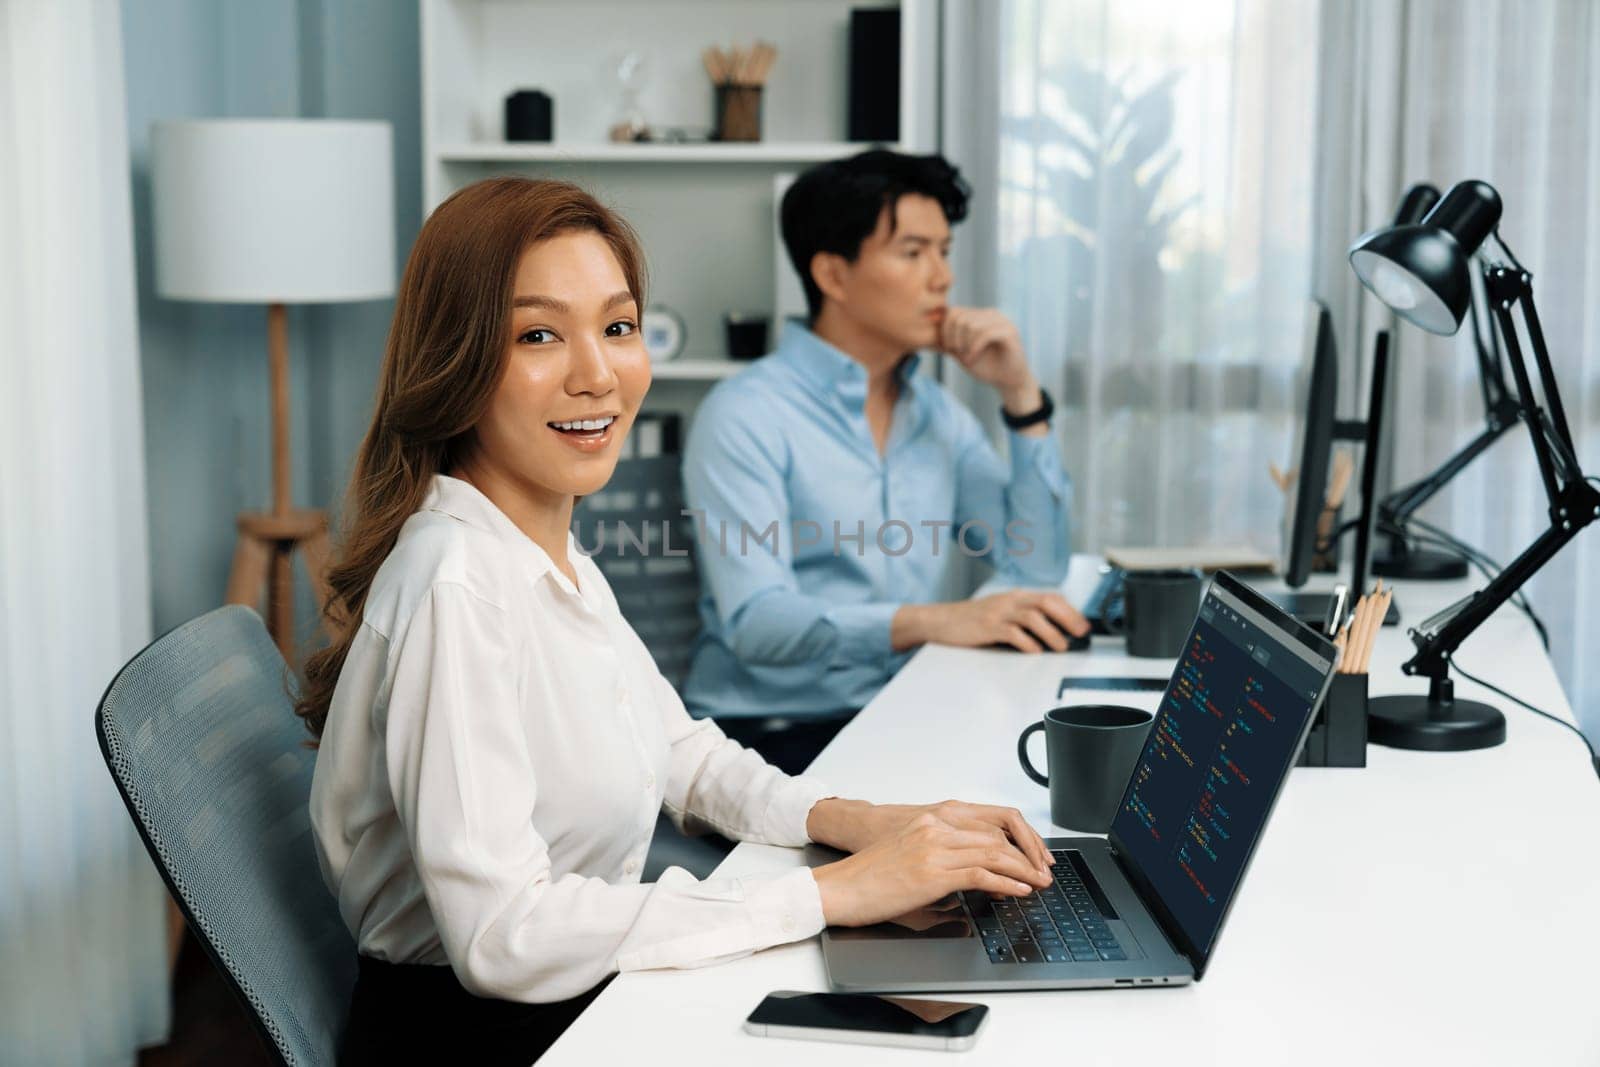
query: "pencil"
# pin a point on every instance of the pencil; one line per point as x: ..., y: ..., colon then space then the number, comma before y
x: 1352, y: 647
x: 1359, y: 631
x: 1377, y: 626
x: 1376, y: 610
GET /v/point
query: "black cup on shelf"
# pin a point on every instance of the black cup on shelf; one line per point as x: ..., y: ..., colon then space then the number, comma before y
x: 1158, y: 607
x: 530, y: 116
x: 747, y: 335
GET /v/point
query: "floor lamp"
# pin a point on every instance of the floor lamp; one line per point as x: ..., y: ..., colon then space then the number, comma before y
x: 274, y: 212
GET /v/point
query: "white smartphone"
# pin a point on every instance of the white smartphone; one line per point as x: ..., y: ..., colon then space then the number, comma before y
x: 863, y: 1019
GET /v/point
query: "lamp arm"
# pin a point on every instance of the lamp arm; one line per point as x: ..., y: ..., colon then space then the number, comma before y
x: 1401, y: 504
x: 1515, y: 287
x: 1565, y: 452
x: 1574, y: 502
x: 1434, y: 648
x: 1509, y: 289
x: 1491, y: 364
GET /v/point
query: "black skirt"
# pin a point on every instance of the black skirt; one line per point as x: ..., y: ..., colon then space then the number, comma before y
x: 410, y: 1012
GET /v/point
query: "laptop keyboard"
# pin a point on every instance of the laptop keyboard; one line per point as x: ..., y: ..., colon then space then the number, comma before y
x: 1061, y: 924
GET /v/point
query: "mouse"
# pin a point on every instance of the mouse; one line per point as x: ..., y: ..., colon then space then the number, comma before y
x: 1074, y: 643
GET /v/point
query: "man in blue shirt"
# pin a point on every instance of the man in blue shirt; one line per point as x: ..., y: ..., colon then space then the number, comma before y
x: 831, y: 484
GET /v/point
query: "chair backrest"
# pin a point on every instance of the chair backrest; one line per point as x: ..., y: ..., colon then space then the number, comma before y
x: 635, y: 522
x: 200, y: 734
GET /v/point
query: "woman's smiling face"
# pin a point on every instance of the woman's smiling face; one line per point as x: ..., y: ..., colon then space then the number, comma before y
x: 575, y: 374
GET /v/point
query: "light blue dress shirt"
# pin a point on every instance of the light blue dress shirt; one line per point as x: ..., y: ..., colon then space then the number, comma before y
x: 808, y: 540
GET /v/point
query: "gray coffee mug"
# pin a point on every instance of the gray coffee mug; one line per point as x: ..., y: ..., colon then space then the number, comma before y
x: 1158, y: 608
x: 1091, y: 750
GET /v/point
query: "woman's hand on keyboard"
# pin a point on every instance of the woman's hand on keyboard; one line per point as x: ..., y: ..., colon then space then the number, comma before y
x: 854, y: 825
x: 927, y: 859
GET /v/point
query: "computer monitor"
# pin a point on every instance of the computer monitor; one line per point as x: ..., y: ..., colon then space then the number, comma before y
x: 1318, y: 429
x: 1319, y: 411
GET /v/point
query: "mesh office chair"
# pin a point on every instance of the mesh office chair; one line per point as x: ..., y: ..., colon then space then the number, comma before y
x: 634, y: 522
x: 200, y: 735
x: 629, y: 526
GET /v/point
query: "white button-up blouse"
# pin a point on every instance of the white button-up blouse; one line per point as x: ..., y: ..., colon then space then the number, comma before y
x: 496, y: 752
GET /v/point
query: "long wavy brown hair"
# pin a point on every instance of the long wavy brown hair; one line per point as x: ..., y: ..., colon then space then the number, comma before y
x: 445, y: 357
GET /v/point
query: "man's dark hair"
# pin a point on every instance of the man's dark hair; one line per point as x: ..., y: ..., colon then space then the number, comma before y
x: 834, y: 206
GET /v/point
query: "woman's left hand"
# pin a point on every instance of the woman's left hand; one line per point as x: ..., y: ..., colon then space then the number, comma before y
x: 852, y: 825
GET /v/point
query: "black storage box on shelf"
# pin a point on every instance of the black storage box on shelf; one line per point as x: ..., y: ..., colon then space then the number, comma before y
x: 875, y: 74
x: 1339, y: 736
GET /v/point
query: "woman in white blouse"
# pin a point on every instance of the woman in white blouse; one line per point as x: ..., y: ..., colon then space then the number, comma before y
x: 495, y: 741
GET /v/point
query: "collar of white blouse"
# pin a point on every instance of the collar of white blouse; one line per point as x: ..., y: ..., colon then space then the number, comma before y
x: 464, y: 502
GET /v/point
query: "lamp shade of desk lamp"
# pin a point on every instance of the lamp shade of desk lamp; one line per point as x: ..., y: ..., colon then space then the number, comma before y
x: 274, y: 212
x: 1420, y: 270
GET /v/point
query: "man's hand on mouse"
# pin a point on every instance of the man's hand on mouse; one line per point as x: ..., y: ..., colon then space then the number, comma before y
x: 1029, y: 620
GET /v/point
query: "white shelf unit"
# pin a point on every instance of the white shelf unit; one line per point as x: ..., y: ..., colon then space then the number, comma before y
x: 704, y: 211
x: 758, y: 152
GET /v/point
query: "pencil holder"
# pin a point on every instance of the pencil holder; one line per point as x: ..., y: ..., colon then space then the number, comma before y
x: 738, y: 112
x: 1339, y: 736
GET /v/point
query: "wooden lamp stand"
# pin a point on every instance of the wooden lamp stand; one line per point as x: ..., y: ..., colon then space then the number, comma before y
x: 264, y: 556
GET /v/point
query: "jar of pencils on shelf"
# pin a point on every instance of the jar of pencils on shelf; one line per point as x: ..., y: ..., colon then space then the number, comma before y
x: 737, y: 75
x: 738, y: 112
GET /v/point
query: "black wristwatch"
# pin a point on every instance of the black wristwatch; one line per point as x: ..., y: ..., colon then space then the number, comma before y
x: 1045, y: 409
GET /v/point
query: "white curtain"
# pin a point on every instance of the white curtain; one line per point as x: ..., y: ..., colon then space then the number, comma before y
x: 83, y: 975
x: 1175, y: 180
x: 1507, y: 91
x: 1156, y: 188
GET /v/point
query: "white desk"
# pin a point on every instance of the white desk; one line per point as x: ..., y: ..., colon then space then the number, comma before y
x: 1428, y: 908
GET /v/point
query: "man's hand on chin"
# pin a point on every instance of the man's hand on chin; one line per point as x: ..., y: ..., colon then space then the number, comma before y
x: 988, y: 346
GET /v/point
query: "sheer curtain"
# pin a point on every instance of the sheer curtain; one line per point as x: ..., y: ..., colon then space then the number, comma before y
x: 1176, y: 179
x: 1509, y: 91
x: 1155, y: 239
x: 83, y: 975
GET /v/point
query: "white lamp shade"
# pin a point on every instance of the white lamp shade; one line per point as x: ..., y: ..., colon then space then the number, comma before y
x: 289, y: 211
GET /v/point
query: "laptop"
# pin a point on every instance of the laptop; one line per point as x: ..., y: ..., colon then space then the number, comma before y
x: 1143, y: 906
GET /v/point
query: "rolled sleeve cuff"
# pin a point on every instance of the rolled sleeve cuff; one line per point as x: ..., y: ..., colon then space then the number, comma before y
x: 1039, y: 457
x: 863, y: 631
x: 777, y: 909
x: 789, y: 907
x: 802, y: 908
x: 791, y: 805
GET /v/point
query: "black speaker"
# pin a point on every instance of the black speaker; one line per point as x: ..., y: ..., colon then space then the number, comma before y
x: 875, y: 74
x: 530, y: 116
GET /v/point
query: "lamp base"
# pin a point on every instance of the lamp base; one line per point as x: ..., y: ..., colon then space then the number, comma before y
x: 1434, y: 723
x: 1418, y: 565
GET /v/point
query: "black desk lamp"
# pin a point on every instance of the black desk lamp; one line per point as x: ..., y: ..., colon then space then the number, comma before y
x: 1401, y: 558
x: 1421, y: 272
